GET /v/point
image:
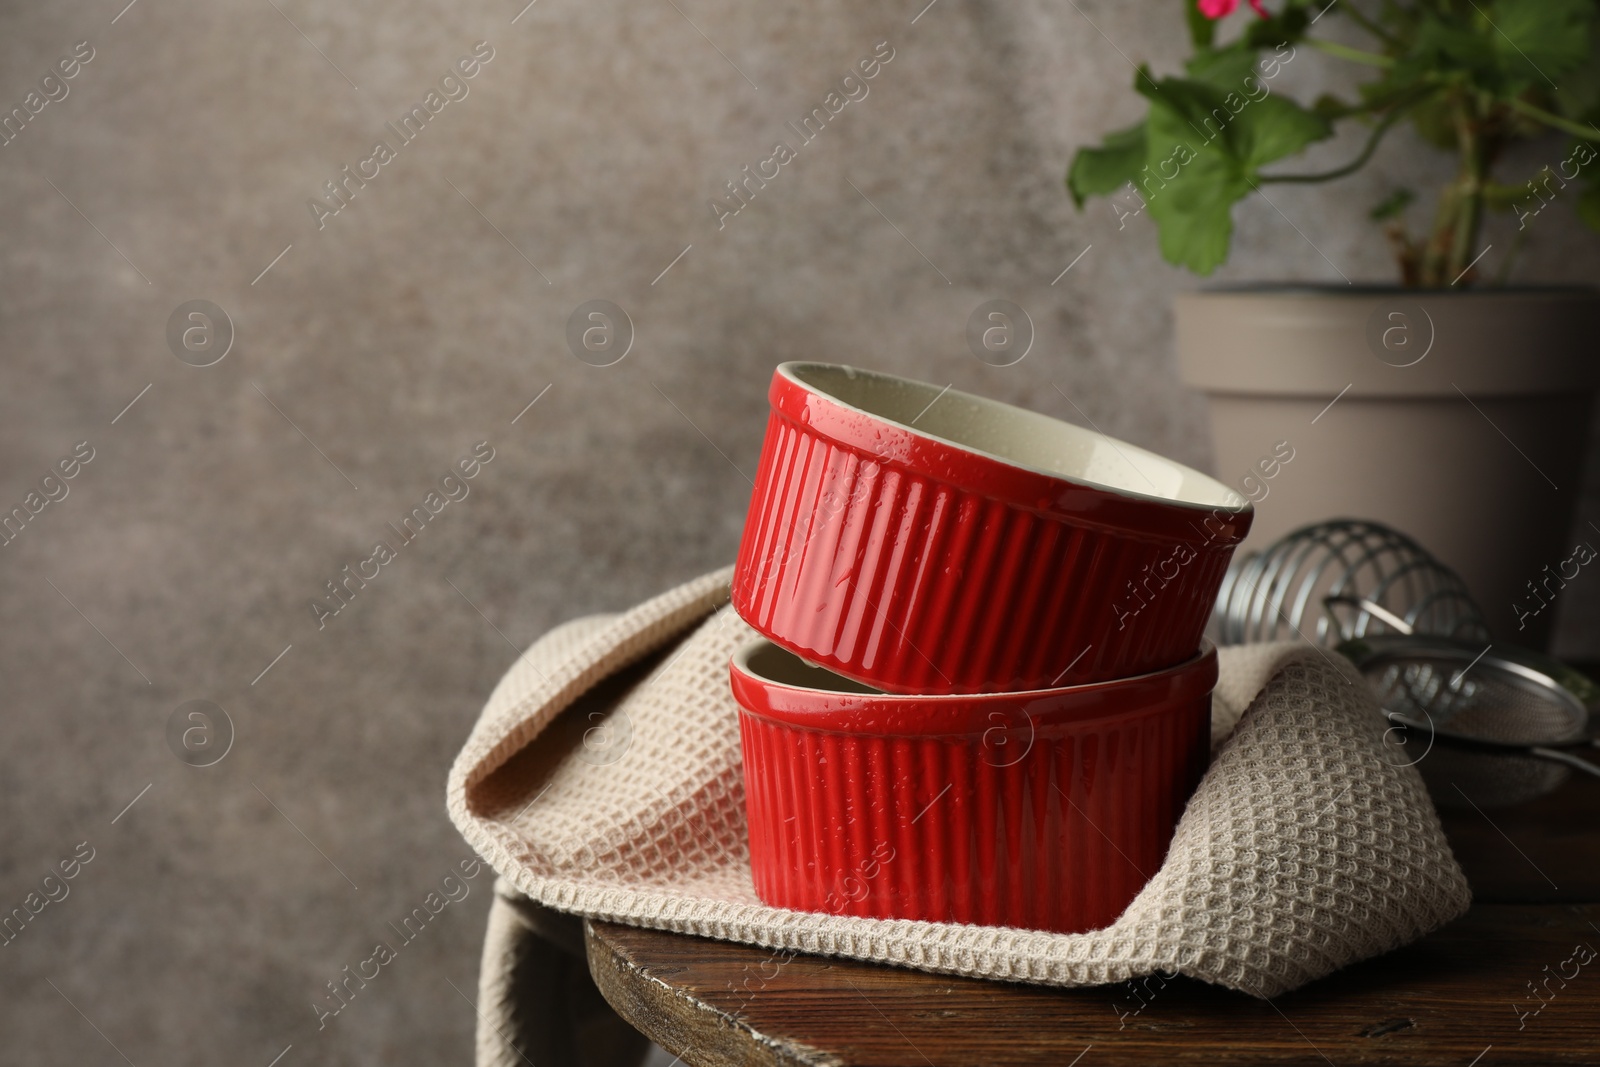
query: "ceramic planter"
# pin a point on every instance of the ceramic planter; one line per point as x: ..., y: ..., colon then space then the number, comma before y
x: 1461, y: 419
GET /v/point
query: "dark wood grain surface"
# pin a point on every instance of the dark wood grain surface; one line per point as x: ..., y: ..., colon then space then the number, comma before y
x: 1465, y: 995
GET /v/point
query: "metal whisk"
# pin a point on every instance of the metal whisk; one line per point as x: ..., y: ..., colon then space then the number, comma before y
x: 1484, y: 723
x: 1276, y: 593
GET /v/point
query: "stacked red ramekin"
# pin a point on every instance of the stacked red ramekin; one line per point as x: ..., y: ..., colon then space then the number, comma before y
x: 985, y: 696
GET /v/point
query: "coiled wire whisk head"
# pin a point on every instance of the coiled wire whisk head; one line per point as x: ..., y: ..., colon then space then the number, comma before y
x: 1283, y: 590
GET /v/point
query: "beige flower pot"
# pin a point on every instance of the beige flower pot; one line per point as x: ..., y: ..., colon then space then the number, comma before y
x: 1459, y: 418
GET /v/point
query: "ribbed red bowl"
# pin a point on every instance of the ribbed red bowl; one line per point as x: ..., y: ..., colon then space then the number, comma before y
x: 928, y: 541
x: 1046, y: 810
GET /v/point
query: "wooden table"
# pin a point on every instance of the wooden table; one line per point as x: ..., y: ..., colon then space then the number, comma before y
x: 1452, y: 998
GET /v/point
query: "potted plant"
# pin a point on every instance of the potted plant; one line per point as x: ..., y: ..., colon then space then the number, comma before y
x: 1450, y: 408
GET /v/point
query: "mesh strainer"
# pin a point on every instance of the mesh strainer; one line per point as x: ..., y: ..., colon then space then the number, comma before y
x: 1485, y: 724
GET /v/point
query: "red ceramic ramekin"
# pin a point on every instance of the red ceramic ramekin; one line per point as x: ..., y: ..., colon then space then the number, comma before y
x: 1045, y: 810
x: 924, y: 540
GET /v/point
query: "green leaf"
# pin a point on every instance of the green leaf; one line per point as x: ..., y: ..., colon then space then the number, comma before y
x: 1193, y: 212
x: 1253, y: 129
x: 1191, y: 184
x: 1503, y: 48
x: 1435, y: 123
x: 1199, y: 151
x: 1098, y: 171
x: 1578, y: 684
x: 1589, y: 206
x: 1445, y: 46
x: 1579, y: 96
x: 1224, y: 68
x: 1275, y: 127
x: 1393, y: 205
x: 1201, y: 29
x: 1287, y: 26
x: 1194, y: 217
x: 1204, y: 145
x: 1189, y: 99
x: 1540, y: 40
x: 1332, y: 108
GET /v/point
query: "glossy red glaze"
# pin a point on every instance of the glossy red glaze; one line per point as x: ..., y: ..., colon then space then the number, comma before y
x: 1044, y: 810
x: 919, y: 565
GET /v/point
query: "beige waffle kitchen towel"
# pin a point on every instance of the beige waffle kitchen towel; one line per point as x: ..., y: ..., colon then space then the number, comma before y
x: 604, y: 779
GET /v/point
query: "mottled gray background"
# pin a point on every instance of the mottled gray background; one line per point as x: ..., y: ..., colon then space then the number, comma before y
x: 408, y: 329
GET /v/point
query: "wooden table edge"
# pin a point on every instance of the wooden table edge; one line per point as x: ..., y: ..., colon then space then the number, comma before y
x: 669, y: 1016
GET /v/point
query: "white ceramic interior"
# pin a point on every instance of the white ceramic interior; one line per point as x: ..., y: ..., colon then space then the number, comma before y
x: 1014, y: 435
x: 765, y: 660
x: 770, y: 662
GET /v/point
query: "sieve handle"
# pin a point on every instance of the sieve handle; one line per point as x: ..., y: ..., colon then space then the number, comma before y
x: 1567, y: 758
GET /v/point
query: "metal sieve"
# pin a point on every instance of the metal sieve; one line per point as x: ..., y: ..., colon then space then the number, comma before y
x: 1485, y: 724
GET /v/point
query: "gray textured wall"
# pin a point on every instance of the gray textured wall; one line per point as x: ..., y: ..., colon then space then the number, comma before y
x: 408, y: 328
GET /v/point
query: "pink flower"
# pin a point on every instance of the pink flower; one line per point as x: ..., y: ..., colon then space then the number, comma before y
x: 1216, y: 9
